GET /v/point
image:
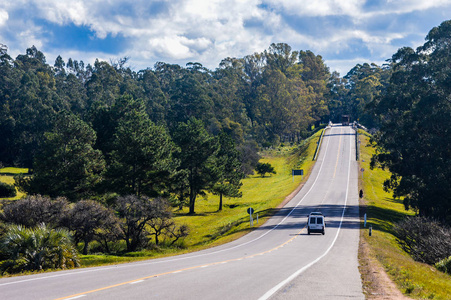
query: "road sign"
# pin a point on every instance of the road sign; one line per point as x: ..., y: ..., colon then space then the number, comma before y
x: 298, y: 172
x: 250, y: 210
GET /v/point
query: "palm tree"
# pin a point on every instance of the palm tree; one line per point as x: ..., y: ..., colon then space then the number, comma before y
x: 39, y: 248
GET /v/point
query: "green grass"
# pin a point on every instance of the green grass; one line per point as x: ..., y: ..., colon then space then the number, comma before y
x: 416, y: 280
x: 12, y: 170
x: 7, y: 176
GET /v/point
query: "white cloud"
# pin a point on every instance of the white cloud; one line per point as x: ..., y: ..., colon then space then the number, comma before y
x: 318, y: 7
x: 4, y: 16
x: 177, y: 31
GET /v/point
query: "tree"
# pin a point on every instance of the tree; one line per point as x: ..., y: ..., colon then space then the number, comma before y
x: 39, y: 248
x: 136, y: 213
x: 230, y: 174
x: 7, y: 190
x: 67, y: 165
x: 197, y: 157
x: 249, y: 156
x: 415, y: 118
x: 263, y: 168
x: 142, y: 160
x: 189, y: 99
x: 87, y: 219
x: 162, y: 222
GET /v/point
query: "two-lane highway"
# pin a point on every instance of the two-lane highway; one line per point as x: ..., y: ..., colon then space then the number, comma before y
x: 277, y: 260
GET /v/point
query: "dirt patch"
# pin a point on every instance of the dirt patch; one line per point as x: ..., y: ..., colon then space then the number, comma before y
x: 376, y: 283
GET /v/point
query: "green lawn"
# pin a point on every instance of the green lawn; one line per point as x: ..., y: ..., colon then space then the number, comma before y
x: 12, y: 170
x: 416, y: 280
x: 7, y: 176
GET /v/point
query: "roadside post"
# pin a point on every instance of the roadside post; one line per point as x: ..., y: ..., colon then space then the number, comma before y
x: 297, y: 173
x: 250, y: 211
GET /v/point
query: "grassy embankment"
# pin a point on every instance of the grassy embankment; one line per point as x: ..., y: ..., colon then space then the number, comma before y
x: 414, y: 279
x: 210, y: 227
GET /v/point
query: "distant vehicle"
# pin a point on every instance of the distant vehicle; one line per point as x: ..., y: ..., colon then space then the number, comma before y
x: 316, y: 223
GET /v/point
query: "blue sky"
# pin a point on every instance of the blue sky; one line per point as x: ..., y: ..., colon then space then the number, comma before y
x: 343, y: 32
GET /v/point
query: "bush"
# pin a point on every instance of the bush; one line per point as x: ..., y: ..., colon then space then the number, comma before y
x: 444, y: 265
x: 263, y: 168
x: 7, y: 190
x: 424, y: 239
x: 34, y: 210
x: 34, y: 249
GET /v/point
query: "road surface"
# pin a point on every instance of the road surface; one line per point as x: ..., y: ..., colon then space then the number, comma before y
x: 276, y: 261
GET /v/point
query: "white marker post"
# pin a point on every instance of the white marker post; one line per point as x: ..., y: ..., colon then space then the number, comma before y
x: 250, y: 211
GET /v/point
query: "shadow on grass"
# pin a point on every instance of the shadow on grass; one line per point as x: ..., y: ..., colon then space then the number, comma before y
x: 394, y: 200
x: 383, y: 218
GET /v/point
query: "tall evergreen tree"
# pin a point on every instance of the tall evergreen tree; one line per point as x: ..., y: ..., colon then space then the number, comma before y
x: 230, y: 174
x: 141, y: 161
x: 66, y: 165
x: 197, y: 158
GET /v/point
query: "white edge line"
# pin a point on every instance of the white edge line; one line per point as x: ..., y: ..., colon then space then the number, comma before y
x: 298, y: 272
x: 76, y: 297
x: 135, y: 282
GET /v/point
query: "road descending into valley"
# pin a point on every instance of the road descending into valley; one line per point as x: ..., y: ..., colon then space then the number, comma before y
x: 278, y: 260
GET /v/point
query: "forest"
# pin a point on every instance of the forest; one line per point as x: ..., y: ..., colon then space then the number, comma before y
x: 109, y: 133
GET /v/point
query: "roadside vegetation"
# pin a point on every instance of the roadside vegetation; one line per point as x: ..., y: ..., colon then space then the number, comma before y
x: 209, y: 226
x: 415, y: 279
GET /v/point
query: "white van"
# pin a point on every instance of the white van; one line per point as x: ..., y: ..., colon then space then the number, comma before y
x: 316, y: 223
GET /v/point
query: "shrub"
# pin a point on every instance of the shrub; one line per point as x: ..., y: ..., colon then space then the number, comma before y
x: 444, y: 265
x: 424, y: 239
x: 89, y: 220
x: 34, y: 210
x: 263, y: 168
x: 39, y: 248
x: 7, y: 190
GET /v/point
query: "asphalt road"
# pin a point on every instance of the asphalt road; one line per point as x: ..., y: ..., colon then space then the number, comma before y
x: 276, y: 261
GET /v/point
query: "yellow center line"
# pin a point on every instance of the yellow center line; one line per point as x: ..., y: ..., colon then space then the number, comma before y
x: 180, y: 270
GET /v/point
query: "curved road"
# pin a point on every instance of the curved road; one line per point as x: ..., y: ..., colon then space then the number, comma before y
x: 276, y: 261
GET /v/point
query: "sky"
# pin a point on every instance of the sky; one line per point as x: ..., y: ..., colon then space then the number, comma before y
x: 343, y: 32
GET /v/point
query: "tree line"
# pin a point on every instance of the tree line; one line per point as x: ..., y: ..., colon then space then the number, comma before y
x: 259, y: 100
